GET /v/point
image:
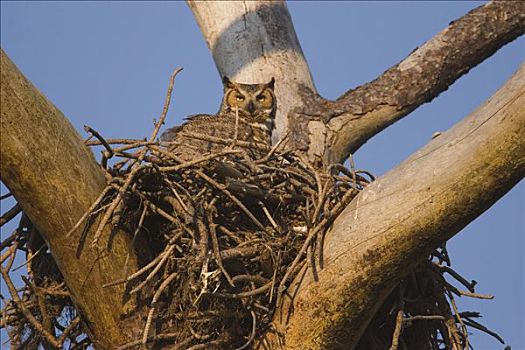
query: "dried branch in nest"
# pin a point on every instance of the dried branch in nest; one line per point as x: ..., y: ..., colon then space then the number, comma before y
x: 41, y: 312
x: 421, y: 312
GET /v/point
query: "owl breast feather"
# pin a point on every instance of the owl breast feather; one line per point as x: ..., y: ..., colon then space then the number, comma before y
x: 188, y: 146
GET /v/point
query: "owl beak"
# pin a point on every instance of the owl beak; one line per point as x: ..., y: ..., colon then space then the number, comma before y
x: 250, y: 107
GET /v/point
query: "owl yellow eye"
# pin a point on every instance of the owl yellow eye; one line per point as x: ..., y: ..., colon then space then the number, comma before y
x: 261, y: 98
x: 239, y: 98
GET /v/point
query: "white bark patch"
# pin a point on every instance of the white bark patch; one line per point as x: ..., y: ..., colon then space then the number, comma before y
x: 317, y: 131
x: 422, y: 53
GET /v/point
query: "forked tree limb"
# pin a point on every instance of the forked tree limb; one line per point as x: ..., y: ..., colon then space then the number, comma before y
x: 395, y: 222
x: 429, y: 70
x: 55, y: 179
x: 254, y: 40
x: 400, y: 218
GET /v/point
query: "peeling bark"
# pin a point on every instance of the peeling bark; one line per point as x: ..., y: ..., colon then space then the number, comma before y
x: 400, y: 218
x: 55, y: 179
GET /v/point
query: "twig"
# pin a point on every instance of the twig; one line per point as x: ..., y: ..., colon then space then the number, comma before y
x: 28, y: 315
x: 165, y: 255
x: 69, y: 329
x: 131, y: 277
x: 203, y: 238
x: 236, y: 132
x: 215, y: 247
x: 274, y: 275
x: 4, y: 196
x: 459, y: 318
x: 12, y: 237
x: 10, y: 253
x: 30, y: 257
x: 223, y: 189
x: 424, y: 318
x: 399, y: 320
x: 137, y: 230
x: 178, y: 197
x: 90, y: 210
x: 469, y: 285
x: 482, y: 328
x: 247, y: 294
x: 268, y: 216
x: 273, y: 149
x: 166, y: 105
x: 113, y: 141
x: 218, y: 140
x: 46, y: 320
x: 109, y: 151
x: 476, y: 295
x: 141, y: 143
x: 310, y: 261
x: 11, y: 213
x: 250, y: 278
x: 187, y: 164
x: 151, y: 312
x: 230, y: 234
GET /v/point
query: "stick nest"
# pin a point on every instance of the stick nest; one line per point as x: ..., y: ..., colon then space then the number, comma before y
x: 227, y: 235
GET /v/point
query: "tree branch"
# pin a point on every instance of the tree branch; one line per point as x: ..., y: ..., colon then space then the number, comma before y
x: 399, y: 219
x: 55, y: 179
x: 359, y: 114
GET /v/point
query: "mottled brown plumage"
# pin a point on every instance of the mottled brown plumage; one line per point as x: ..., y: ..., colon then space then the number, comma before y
x: 253, y: 105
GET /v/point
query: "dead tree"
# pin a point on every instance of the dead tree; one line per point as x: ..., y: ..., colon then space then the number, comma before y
x: 378, y: 238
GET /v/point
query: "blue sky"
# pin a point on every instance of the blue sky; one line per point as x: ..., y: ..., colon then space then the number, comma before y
x: 108, y: 64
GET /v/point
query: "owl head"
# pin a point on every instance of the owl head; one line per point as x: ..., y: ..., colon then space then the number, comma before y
x: 255, y: 102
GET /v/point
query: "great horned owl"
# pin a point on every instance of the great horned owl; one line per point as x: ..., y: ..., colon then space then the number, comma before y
x: 254, y: 104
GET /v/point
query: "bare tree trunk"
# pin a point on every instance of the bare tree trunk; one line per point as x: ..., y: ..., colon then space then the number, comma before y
x: 55, y: 179
x: 400, y: 218
x: 253, y: 41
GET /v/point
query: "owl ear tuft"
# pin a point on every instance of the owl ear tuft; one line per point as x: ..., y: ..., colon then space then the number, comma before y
x: 271, y: 84
x: 226, y: 82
